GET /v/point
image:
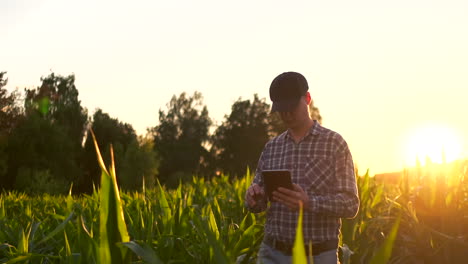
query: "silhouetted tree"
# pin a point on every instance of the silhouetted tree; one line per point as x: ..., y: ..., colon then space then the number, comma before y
x: 57, y: 99
x: 133, y: 160
x: 140, y: 162
x: 45, y: 148
x: 9, y: 108
x: 41, y: 157
x: 10, y: 115
x: 315, y: 112
x: 180, y: 138
x: 239, y: 140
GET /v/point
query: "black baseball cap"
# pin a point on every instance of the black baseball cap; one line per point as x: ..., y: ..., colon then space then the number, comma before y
x: 286, y: 90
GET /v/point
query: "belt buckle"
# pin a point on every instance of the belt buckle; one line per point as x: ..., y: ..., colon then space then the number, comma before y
x: 280, y: 245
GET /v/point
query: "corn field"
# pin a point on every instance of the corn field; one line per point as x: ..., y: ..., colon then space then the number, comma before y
x: 420, y: 217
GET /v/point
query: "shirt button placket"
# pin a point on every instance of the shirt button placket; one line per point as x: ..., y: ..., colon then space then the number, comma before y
x: 296, y: 159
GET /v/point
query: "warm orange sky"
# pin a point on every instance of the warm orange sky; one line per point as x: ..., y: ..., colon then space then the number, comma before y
x: 381, y: 72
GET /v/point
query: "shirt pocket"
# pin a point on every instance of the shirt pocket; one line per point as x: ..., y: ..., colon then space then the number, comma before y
x: 276, y: 163
x: 318, y: 175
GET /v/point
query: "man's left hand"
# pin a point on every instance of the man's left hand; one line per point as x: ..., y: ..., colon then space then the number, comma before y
x: 291, y: 198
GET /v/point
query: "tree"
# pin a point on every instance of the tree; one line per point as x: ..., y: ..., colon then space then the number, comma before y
x: 239, y: 140
x: 140, y: 163
x: 134, y: 159
x: 315, y: 113
x: 46, y: 144
x: 9, y: 109
x: 41, y: 157
x: 10, y: 115
x: 107, y: 131
x: 180, y: 138
x: 57, y: 99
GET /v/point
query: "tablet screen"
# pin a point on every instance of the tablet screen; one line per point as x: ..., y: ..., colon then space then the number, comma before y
x: 274, y: 179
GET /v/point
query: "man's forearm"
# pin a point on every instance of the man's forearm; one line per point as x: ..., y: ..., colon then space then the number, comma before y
x: 343, y: 205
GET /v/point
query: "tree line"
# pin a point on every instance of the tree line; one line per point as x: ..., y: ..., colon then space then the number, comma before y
x: 45, y: 145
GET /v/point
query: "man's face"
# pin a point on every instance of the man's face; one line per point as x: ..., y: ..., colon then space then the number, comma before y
x: 288, y: 118
x: 296, y: 117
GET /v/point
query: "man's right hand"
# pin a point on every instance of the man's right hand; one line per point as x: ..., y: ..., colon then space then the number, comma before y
x: 254, y: 193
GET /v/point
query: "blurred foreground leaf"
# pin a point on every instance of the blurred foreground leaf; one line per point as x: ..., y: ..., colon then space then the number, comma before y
x: 112, y: 223
x: 299, y: 255
x: 385, y: 251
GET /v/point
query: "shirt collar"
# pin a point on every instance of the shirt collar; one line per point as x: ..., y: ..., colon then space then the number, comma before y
x: 314, y: 130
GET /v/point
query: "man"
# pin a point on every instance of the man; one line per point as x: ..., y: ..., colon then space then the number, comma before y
x: 322, y: 173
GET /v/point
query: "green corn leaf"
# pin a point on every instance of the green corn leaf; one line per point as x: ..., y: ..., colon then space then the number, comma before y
x: 98, y: 154
x: 165, y: 209
x: 219, y: 255
x: 179, y: 191
x: 385, y: 251
x: 112, y: 228
x: 2, y: 208
x: 217, y: 210
x: 32, y: 233
x: 67, y: 245
x: 5, y: 246
x: 212, y: 223
x: 22, y: 242
x: 83, y: 226
x: 378, y: 196
x: 69, y: 256
x: 299, y: 256
x: 88, y: 243
x: 118, y: 204
x: 246, y: 238
x: 144, y: 252
x: 18, y: 259
x: 69, y: 199
x: 57, y: 229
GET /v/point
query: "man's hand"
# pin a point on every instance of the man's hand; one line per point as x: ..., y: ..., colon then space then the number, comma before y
x: 254, y: 193
x: 291, y: 198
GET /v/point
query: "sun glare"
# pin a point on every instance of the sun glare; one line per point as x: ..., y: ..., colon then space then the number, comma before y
x: 436, y: 142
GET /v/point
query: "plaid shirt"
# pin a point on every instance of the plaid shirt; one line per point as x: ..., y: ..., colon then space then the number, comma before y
x: 322, y: 165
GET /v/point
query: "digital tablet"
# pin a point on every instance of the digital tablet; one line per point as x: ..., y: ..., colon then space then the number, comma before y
x: 274, y: 179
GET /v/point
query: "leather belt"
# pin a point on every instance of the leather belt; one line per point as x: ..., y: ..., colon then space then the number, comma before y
x: 286, y: 248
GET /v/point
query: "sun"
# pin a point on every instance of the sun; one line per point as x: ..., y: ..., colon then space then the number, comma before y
x: 437, y: 142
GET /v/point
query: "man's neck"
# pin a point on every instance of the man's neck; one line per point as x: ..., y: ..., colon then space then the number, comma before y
x: 299, y: 132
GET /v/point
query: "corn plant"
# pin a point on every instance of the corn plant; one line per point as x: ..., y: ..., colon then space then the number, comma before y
x: 421, y: 218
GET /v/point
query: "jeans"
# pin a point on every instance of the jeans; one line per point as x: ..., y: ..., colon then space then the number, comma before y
x: 269, y: 255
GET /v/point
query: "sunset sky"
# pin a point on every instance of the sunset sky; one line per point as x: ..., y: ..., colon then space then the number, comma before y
x: 390, y: 76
